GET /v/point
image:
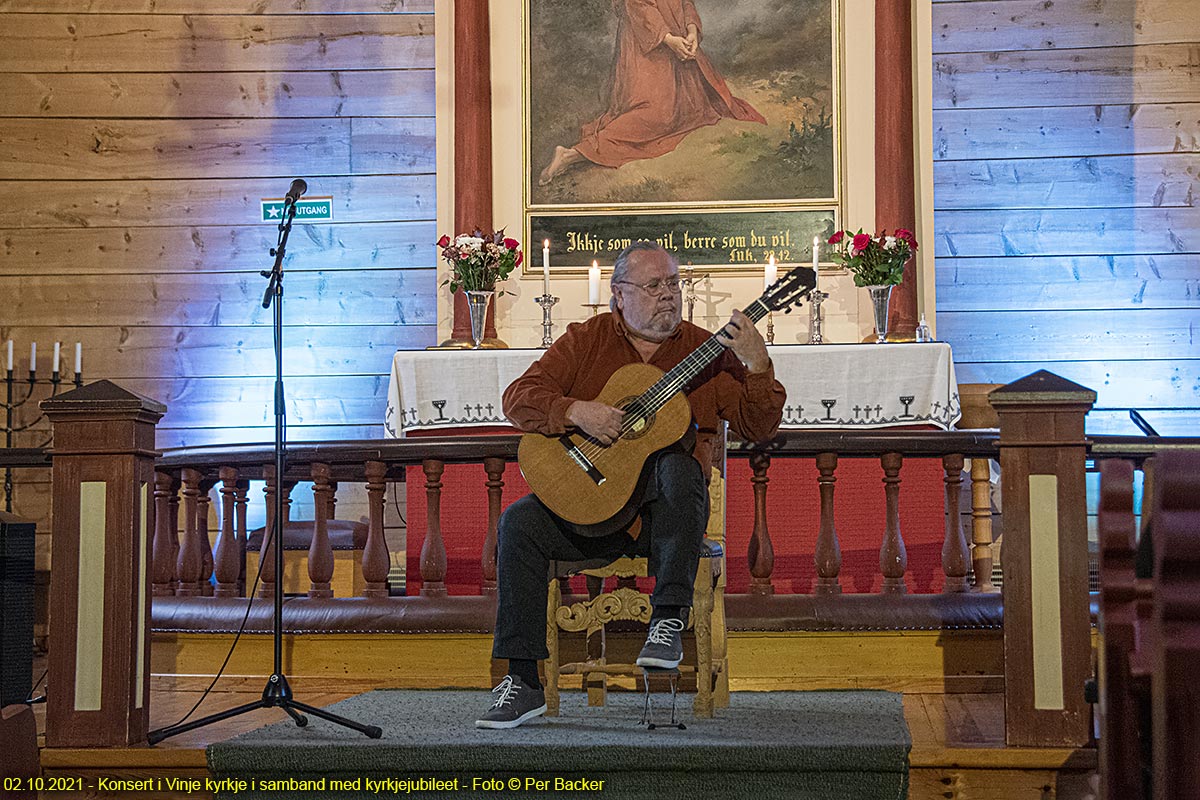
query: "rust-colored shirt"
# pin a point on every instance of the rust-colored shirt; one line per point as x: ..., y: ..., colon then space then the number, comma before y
x: 580, y: 362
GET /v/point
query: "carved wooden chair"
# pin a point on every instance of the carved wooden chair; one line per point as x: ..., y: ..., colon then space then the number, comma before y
x: 626, y: 602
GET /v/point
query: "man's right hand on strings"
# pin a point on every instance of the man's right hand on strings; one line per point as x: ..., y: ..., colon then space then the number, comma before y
x: 600, y: 421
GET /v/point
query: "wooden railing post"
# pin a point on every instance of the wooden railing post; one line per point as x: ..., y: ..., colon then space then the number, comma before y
x: 203, y: 501
x: 893, y: 557
x: 1047, y: 625
x: 981, y: 525
x: 376, y: 561
x: 227, y: 557
x: 433, y: 549
x: 761, y: 553
x: 1119, y: 748
x: 828, y: 554
x: 320, y: 549
x: 494, y: 467
x: 266, y: 547
x: 163, y: 563
x: 190, y: 566
x: 240, y: 503
x: 954, y: 546
x: 103, y: 481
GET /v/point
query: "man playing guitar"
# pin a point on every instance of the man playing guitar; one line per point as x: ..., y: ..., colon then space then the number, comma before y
x: 556, y: 396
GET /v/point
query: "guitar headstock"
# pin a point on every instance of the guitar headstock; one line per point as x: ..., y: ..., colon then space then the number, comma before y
x: 790, y: 289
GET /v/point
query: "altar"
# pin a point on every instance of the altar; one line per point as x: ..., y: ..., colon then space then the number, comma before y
x: 828, y: 386
x: 837, y: 386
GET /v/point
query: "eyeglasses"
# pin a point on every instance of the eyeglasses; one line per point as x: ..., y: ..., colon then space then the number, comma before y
x: 657, y: 287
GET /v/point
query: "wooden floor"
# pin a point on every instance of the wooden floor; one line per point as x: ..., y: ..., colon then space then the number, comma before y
x: 958, y: 744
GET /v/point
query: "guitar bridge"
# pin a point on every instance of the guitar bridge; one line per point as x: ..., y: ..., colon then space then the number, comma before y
x: 583, y: 461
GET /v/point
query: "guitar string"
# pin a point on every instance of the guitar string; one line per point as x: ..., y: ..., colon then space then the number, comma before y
x: 662, y: 390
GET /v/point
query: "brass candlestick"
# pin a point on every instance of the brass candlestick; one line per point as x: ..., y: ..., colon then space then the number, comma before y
x: 595, y: 307
x: 546, y: 302
x: 770, y: 327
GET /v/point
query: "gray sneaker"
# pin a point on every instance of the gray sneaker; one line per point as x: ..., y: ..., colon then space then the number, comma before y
x: 515, y: 703
x: 664, y: 644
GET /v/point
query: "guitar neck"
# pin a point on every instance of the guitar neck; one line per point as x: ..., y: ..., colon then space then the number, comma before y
x: 683, y: 372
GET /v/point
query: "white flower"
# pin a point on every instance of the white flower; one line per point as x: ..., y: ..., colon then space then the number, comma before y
x: 468, y: 242
x: 889, y: 243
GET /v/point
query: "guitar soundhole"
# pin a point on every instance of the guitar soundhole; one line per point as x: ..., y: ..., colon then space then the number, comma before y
x: 642, y: 422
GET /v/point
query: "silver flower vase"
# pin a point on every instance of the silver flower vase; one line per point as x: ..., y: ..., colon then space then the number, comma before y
x: 477, y: 305
x: 880, y: 295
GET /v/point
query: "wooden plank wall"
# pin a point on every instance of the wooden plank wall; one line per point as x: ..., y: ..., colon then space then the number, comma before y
x: 136, y: 140
x: 1066, y: 150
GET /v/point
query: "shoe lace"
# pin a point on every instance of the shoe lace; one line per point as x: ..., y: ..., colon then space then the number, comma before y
x: 663, y: 631
x: 506, y: 691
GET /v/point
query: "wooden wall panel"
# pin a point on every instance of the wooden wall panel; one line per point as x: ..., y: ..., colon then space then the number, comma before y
x: 232, y: 351
x: 1025, y: 25
x: 377, y: 297
x: 1159, y: 73
x: 1168, y: 180
x: 203, y: 201
x: 101, y: 42
x: 224, y: 95
x: 56, y: 149
x: 138, y: 137
x: 329, y: 247
x: 1095, y: 130
x: 222, y: 6
x: 1065, y: 172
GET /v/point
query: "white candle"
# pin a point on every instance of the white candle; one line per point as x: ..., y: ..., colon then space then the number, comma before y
x: 594, y: 284
x: 770, y: 272
x: 546, y: 267
x: 57, y: 353
x: 9, y: 367
x: 815, y: 251
x: 79, y: 358
x: 33, y: 357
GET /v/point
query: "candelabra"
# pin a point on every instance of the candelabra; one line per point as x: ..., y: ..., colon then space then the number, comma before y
x: 11, y: 404
x: 595, y: 307
x: 547, y: 302
x: 816, y: 297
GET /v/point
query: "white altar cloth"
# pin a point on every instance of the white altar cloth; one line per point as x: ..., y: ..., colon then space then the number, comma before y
x: 828, y: 386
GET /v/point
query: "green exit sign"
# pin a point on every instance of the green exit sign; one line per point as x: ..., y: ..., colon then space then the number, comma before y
x: 308, y: 209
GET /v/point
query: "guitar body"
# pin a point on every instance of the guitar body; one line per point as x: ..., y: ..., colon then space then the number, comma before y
x: 567, y: 488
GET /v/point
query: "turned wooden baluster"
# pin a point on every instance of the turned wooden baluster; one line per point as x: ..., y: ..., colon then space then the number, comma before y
x: 760, y: 554
x: 828, y: 555
x: 494, y: 467
x: 954, y: 546
x: 239, y: 511
x: 433, y: 549
x: 266, y: 548
x: 190, y: 564
x: 227, y: 561
x: 331, y: 501
x: 163, y: 558
x: 375, y: 558
x: 893, y: 558
x: 981, y: 525
x: 173, y: 531
x: 206, y: 569
x: 320, y: 549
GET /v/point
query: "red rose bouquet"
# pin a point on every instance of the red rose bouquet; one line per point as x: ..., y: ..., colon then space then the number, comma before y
x: 874, y: 260
x: 478, y: 260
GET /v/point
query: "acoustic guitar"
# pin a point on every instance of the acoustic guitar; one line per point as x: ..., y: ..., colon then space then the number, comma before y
x: 588, y: 483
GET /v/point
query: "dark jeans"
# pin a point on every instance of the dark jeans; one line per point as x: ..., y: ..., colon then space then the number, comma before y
x: 674, y: 512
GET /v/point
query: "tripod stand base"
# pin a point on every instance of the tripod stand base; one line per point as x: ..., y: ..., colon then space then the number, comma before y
x: 276, y: 694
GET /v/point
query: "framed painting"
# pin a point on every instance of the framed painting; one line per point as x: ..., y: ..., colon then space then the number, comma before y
x: 677, y: 103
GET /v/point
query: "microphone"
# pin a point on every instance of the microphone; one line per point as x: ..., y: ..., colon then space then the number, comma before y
x: 298, y: 188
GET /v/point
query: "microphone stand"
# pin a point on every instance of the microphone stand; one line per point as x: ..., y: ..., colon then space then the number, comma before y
x: 277, y: 694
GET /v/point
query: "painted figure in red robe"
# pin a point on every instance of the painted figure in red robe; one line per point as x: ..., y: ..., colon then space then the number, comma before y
x: 663, y: 88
